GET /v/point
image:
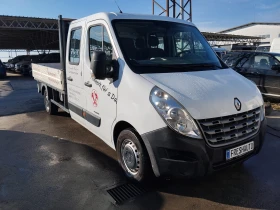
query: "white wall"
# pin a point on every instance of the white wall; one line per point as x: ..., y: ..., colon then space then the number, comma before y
x: 257, y: 30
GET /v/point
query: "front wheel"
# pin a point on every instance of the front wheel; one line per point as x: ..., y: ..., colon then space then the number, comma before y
x: 51, y: 108
x: 132, y: 155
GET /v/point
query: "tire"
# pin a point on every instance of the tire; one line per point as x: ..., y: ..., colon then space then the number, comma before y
x: 133, y: 156
x: 51, y: 108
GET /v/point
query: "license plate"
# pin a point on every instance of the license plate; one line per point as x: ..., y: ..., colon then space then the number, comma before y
x: 240, y: 150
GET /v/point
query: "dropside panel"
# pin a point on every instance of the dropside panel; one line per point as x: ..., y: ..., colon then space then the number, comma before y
x: 50, y: 74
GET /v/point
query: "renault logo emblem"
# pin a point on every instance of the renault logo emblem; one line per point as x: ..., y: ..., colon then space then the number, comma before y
x: 237, y: 104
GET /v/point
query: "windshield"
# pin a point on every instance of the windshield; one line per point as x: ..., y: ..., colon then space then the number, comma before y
x: 159, y: 46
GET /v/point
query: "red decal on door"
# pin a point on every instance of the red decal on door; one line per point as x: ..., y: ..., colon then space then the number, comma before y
x: 94, y: 97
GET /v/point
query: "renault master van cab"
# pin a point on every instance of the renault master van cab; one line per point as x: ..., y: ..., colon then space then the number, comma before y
x: 153, y: 89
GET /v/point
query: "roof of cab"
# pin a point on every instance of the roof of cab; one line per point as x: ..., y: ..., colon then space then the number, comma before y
x: 113, y: 16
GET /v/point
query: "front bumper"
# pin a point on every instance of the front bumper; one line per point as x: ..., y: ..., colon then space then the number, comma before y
x: 172, y: 154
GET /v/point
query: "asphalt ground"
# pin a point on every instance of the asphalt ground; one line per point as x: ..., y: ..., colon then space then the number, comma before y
x: 51, y: 162
x: 18, y: 94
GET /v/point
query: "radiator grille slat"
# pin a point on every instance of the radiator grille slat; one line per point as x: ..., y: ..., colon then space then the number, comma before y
x: 227, y: 129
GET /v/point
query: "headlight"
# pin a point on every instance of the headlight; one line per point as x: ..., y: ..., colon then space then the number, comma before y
x: 176, y: 117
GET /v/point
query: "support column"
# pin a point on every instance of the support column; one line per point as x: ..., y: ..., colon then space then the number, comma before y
x: 174, y: 8
x: 182, y: 9
x: 167, y: 8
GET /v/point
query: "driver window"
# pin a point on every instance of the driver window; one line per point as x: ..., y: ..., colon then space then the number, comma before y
x: 273, y: 61
x: 262, y: 62
x: 99, y: 40
x: 244, y: 62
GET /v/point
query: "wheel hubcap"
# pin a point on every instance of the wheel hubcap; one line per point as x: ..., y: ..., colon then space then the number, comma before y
x: 130, y: 156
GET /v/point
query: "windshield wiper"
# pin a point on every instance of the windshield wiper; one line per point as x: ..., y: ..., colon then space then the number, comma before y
x: 178, y: 65
x: 204, y: 65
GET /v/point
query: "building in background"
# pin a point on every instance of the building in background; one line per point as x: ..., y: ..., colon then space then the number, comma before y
x: 267, y: 31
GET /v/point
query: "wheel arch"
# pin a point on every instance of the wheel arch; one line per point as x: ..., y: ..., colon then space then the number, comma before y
x: 122, y: 125
x: 43, y: 89
x: 118, y: 128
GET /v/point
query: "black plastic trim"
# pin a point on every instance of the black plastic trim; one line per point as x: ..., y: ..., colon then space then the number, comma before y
x: 172, y: 154
x: 76, y: 109
x: 59, y: 105
x: 93, y: 119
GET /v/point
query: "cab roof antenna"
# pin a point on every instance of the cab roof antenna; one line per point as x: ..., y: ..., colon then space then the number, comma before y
x: 118, y: 6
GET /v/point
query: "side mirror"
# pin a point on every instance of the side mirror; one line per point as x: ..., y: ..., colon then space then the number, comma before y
x: 275, y: 67
x: 98, y: 65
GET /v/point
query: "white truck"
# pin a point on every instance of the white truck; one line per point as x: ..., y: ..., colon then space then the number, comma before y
x: 152, y: 89
x: 275, y: 45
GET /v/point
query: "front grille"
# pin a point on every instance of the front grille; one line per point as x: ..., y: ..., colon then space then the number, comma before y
x: 229, y: 129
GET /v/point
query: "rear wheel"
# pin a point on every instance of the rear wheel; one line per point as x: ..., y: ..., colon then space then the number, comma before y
x: 51, y: 108
x: 132, y: 155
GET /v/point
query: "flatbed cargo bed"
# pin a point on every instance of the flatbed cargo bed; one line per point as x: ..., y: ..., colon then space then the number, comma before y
x: 50, y: 74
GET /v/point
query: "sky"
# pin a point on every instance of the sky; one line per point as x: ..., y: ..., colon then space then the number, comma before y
x: 208, y: 15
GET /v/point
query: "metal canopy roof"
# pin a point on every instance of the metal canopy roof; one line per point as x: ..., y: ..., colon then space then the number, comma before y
x: 223, y: 39
x: 28, y: 33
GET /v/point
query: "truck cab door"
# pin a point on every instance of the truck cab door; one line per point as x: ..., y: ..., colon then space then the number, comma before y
x: 271, y: 80
x: 74, y: 73
x: 245, y: 67
x: 261, y: 66
x: 101, y: 95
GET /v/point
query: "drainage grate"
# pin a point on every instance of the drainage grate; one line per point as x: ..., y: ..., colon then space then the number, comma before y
x: 125, y: 192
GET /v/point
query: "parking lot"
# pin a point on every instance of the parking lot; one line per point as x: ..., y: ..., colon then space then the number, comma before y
x: 51, y: 162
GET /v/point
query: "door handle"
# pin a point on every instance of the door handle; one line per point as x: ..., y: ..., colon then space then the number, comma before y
x: 70, y: 79
x: 88, y: 84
